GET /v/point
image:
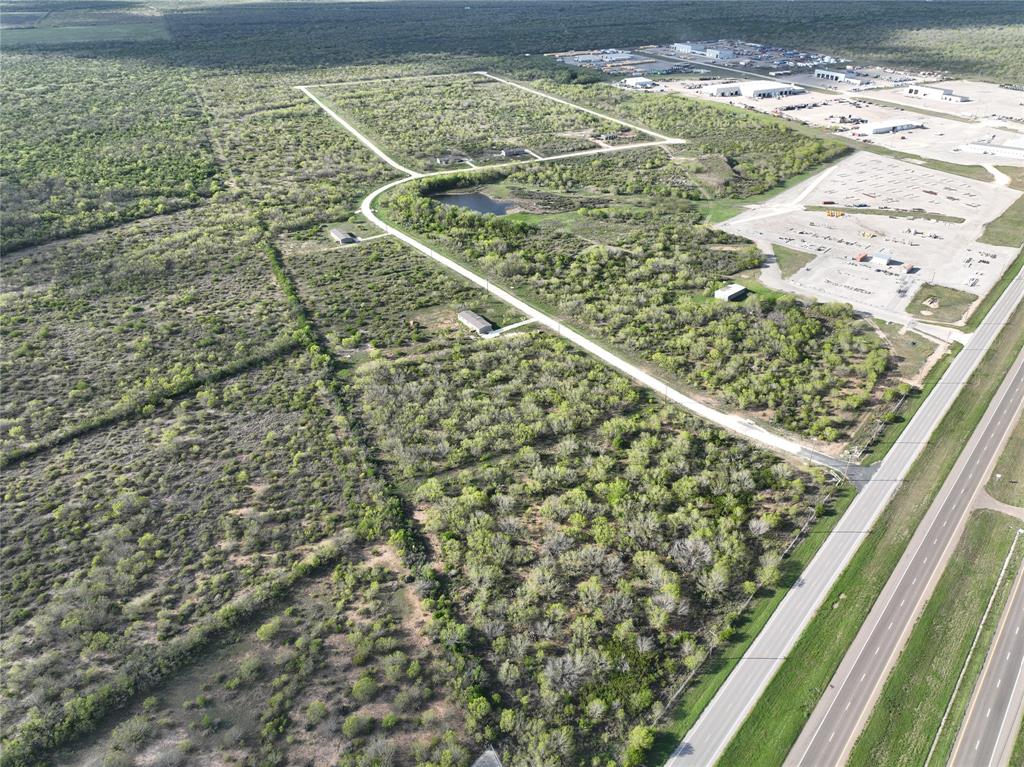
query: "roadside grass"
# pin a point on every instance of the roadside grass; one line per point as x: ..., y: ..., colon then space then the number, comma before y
x: 1007, y: 481
x: 949, y: 304
x: 1018, y: 749
x: 687, y: 709
x: 1007, y: 229
x: 890, y: 213
x: 774, y: 724
x: 911, y: 405
x: 982, y: 309
x: 909, y: 712
x: 791, y: 261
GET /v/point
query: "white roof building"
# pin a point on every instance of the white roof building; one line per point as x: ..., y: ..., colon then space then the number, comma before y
x: 733, y: 292
x: 722, y: 89
x: 768, y: 89
x: 934, y: 92
x: 638, y: 83
x: 475, y: 322
x: 890, y: 126
x: 345, y: 238
x: 688, y: 47
x: 719, y: 53
x: 838, y: 76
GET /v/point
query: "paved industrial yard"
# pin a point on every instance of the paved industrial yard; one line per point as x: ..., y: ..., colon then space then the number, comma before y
x: 877, y: 263
x: 987, y: 100
x: 938, y: 138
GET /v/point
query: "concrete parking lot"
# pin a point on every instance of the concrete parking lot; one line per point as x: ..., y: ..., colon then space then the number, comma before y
x: 876, y: 257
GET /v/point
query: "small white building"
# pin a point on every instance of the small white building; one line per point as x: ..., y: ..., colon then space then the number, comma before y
x: 638, y: 83
x: 345, y: 238
x: 934, y: 92
x: 768, y: 89
x: 890, y: 126
x: 733, y: 292
x: 475, y: 322
x: 719, y: 53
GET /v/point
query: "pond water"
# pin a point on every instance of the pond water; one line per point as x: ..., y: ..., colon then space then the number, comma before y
x: 477, y: 201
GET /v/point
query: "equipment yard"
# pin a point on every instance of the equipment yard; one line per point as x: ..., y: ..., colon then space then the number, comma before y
x: 873, y: 246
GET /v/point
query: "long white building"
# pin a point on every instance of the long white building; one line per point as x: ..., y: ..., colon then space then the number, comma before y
x: 934, y: 92
x: 769, y: 89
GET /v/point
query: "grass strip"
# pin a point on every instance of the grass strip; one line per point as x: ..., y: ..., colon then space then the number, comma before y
x: 683, y: 715
x: 910, y: 710
x: 888, y: 213
x: 774, y: 724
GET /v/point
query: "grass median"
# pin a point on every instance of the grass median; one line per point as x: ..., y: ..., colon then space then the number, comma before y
x: 910, y: 710
x: 767, y: 735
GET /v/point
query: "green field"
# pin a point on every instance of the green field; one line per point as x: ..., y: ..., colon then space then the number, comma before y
x: 1008, y: 229
x: 909, y: 712
x: 936, y: 303
x: 774, y: 724
x: 1007, y: 481
x: 791, y: 261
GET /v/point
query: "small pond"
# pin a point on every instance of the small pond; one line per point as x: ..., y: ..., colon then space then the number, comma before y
x: 477, y: 201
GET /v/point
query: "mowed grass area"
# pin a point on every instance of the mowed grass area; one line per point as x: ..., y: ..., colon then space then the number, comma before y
x: 791, y: 261
x: 936, y: 303
x: 1008, y: 229
x: 1007, y: 481
x: 909, y: 712
x: 769, y: 732
x: 421, y: 119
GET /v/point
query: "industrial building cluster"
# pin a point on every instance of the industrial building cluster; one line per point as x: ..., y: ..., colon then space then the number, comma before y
x: 916, y: 112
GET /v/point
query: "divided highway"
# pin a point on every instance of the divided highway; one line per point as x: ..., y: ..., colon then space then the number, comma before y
x: 994, y: 715
x: 704, y: 743
x: 845, y: 706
